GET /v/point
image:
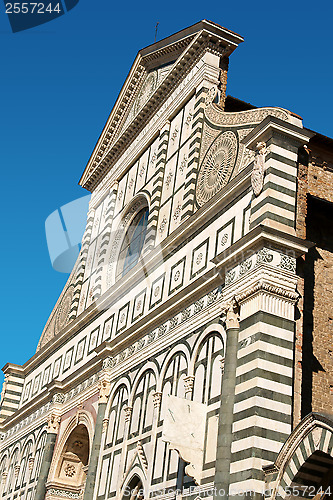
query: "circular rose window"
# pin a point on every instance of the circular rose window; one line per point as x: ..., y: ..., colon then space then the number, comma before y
x: 217, y: 166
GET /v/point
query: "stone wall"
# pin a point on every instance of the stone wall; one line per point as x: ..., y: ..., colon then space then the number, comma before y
x: 313, y: 349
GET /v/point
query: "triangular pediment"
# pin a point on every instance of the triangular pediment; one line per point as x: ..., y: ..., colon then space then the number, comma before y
x: 155, y: 68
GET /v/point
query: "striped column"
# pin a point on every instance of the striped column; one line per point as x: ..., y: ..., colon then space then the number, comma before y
x: 264, y: 383
x: 11, y: 391
x: 105, y: 242
x: 53, y: 425
x: 104, y: 392
x: 81, y: 265
x: 274, y: 204
x: 225, y: 435
x: 157, y: 187
x: 194, y: 153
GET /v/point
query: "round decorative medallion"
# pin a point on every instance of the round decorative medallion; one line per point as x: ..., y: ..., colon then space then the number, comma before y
x: 146, y: 91
x: 216, y: 167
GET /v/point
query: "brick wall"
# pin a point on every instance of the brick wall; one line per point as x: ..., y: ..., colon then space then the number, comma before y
x: 314, y: 328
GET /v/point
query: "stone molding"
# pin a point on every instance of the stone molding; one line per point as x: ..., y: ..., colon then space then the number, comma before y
x: 263, y: 286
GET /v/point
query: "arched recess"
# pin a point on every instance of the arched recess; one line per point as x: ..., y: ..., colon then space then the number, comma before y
x: 116, y: 415
x: 138, y: 203
x: 133, y: 485
x: 71, y: 457
x: 206, y: 366
x: 304, y: 466
x: 142, y: 403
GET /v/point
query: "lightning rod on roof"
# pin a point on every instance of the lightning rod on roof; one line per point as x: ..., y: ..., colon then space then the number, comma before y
x: 156, y: 28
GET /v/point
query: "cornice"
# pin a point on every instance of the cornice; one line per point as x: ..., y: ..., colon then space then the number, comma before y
x: 263, y: 286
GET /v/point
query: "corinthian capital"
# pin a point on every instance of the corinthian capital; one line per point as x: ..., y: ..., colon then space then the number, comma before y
x: 230, y: 311
x: 53, y: 423
x: 104, y: 387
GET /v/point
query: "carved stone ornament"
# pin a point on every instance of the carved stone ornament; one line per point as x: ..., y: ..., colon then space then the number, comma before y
x: 128, y: 413
x: 105, y: 424
x: 4, y: 476
x: 108, y: 363
x: 142, y: 455
x: 59, y: 398
x: 31, y: 463
x: 210, y: 96
x: 53, y: 423
x: 217, y: 167
x: 258, y: 172
x: 16, y: 470
x: 230, y: 311
x: 189, y: 384
x: 104, y: 387
x: 157, y: 399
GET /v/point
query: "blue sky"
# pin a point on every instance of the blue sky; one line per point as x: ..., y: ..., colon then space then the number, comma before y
x: 59, y: 82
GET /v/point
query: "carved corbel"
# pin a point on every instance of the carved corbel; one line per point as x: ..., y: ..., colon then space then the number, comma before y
x: 53, y: 423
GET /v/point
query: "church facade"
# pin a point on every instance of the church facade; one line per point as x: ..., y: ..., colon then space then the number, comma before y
x: 190, y: 352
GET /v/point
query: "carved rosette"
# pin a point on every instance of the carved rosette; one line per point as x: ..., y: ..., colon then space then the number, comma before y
x: 217, y: 167
x: 53, y: 423
x: 258, y: 172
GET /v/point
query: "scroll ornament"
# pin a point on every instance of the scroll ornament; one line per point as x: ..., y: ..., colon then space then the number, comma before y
x: 258, y: 172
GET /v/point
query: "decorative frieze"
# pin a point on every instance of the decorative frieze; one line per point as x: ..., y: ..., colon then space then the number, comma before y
x: 263, y: 256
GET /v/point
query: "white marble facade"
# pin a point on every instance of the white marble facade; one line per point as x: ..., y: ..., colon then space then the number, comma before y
x: 131, y: 340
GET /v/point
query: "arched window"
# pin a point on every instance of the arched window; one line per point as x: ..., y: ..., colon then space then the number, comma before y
x: 133, y: 243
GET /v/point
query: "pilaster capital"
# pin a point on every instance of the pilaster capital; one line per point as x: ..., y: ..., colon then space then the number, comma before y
x: 31, y: 463
x: 128, y: 413
x: 189, y: 384
x: 157, y: 399
x: 230, y: 313
x: 53, y: 423
x: 104, y: 387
